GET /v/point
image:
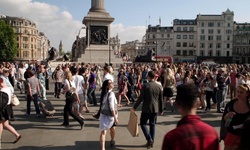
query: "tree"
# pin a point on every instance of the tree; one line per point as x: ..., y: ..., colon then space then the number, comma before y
x: 8, y: 46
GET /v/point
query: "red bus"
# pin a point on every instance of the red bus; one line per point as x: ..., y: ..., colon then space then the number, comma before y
x: 168, y: 59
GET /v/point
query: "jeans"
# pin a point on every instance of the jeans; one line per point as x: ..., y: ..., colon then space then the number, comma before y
x: 68, y: 111
x: 35, y: 100
x: 91, y: 96
x: 58, y: 86
x: 43, y: 92
x: 220, y: 99
x: 209, y: 95
x: 149, y: 135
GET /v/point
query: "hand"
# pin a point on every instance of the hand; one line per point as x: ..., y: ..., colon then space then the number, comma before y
x: 116, y: 121
x: 160, y: 113
x: 132, y: 110
x: 229, y: 114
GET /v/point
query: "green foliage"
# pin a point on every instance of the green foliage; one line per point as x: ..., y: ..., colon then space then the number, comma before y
x: 8, y: 46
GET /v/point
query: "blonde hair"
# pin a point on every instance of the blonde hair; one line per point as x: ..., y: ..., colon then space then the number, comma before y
x: 68, y: 76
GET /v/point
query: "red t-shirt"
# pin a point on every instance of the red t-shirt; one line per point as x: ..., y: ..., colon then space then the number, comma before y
x: 191, y: 134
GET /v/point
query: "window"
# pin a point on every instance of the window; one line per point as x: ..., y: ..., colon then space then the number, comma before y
x: 184, y: 36
x: 191, y: 28
x: 190, y: 52
x: 191, y: 44
x: 218, y: 45
x: 178, y: 28
x: 202, y: 37
x: 168, y: 35
x: 228, y: 25
x: 202, y: 45
x: 25, y: 45
x: 228, y: 38
x: 218, y: 38
x: 202, y: 52
x: 184, y: 52
x: 184, y: 22
x: 191, y: 36
x: 218, y: 24
x: 17, y: 45
x: 210, y: 24
x: 210, y: 37
x: 148, y: 36
x: 210, y: 31
x: 218, y: 53
x: 210, y: 53
x: 202, y: 31
x: 178, y: 52
x: 202, y: 24
x: 228, y: 31
x: 25, y: 54
x: 228, y: 45
x: 228, y: 53
x: 17, y: 38
x: 153, y: 36
x: 184, y: 44
x: 210, y: 45
x: 178, y: 44
x: 178, y: 37
x: 185, y: 28
x: 31, y: 39
x: 162, y: 35
x: 218, y: 31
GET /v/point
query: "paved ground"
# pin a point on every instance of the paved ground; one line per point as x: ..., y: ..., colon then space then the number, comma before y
x: 47, y: 133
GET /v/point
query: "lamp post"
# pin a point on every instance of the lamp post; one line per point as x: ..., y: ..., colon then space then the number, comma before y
x: 32, y: 55
x: 155, y: 42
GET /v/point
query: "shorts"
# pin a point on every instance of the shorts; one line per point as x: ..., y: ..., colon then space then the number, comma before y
x: 168, y: 92
x: 82, y: 99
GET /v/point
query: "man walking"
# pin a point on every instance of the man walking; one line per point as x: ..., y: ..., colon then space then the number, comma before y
x: 151, y: 96
x: 191, y: 133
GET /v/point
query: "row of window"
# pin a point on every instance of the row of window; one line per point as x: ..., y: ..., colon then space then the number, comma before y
x: 25, y: 31
x: 185, y: 29
x: 202, y: 45
x: 213, y: 24
x: 26, y: 46
x: 185, y: 36
x: 185, y: 44
x: 26, y: 39
x: 202, y: 53
x: 211, y: 31
x: 162, y: 36
x: 211, y: 38
x: 17, y: 23
x: 185, y: 52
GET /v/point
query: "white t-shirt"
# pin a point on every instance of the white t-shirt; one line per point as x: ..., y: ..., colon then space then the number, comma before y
x: 66, y: 82
x: 21, y: 72
x: 8, y: 91
x: 178, y: 76
x: 79, y: 81
x: 108, y: 77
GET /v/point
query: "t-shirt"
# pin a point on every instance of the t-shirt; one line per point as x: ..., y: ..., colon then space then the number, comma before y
x: 8, y: 91
x: 33, y: 84
x: 108, y: 77
x: 79, y: 81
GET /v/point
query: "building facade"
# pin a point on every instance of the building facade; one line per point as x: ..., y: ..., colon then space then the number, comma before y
x: 215, y: 37
x: 31, y: 45
x: 185, y: 40
x: 241, y: 43
x: 131, y: 49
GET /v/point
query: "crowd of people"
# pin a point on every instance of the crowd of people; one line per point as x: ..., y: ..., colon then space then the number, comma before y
x: 198, y: 86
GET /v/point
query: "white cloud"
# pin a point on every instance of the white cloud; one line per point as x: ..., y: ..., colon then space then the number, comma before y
x: 59, y: 24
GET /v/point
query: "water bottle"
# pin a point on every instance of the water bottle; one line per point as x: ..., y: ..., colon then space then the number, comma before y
x: 229, y: 120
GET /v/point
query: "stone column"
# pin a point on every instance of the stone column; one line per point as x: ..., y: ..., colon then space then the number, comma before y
x: 97, y: 6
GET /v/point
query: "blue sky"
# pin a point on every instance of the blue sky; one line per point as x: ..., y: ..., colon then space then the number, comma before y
x: 61, y: 19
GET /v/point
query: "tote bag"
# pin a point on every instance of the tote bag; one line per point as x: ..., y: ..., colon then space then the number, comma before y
x: 133, y: 124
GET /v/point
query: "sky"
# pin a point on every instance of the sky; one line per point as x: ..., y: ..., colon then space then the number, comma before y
x: 62, y: 19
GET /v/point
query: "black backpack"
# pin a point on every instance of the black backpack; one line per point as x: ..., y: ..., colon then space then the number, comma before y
x: 4, y: 99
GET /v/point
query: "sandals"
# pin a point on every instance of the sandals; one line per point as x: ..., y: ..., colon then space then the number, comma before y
x: 17, y: 139
x: 112, y: 143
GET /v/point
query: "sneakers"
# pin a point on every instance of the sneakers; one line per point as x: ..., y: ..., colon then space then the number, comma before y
x: 150, y: 144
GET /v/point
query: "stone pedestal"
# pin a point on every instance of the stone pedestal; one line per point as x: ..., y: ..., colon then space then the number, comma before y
x: 97, y: 24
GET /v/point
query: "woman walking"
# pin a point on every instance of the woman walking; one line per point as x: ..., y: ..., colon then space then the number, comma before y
x: 4, y: 115
x: 70, y: 86
x: 109, y: 113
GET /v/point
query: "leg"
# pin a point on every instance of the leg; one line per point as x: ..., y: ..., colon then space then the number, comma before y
x: 35, y: 100
x: 152, y: 120
x: 66, y: 115
x: 219, y: 99
x: 143, y: 122
x: 75, y: 116
x: 102, y: 139
x: 94, y: 96
x: 29, y: 99
x: 89, y: 94
x: 10, y: 129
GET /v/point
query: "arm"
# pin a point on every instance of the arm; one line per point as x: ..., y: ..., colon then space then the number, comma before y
x: 140, y: 98
x: 111, y: 99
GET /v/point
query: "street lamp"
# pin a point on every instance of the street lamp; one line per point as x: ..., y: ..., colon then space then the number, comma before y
x: 155, y: 42
x: 32, y: 54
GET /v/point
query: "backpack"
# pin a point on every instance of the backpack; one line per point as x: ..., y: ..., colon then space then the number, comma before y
x: 4, y: 99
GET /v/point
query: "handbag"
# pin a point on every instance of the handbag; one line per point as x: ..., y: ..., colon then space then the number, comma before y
x: 105, y: 109
x: 70, y: 94
x: 14, y: 100
x: 133, y: 124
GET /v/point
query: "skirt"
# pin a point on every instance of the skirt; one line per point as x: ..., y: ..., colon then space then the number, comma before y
x: 5, y: 113
x: 232, y: 140
x: 168, y: 92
